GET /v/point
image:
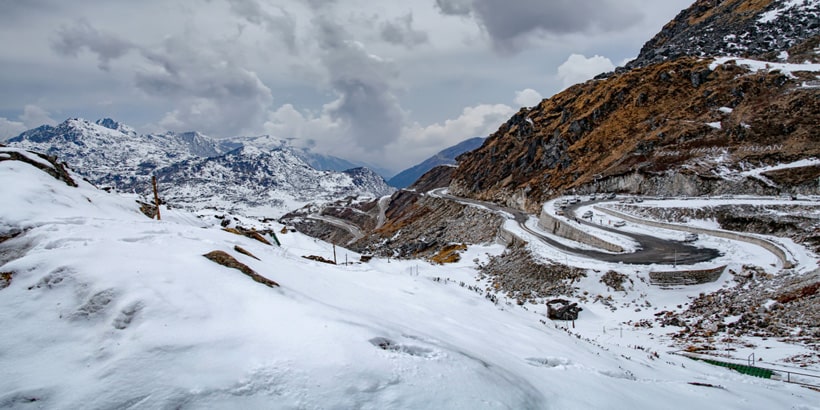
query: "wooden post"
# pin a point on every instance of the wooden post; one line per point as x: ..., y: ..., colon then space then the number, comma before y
x: 156, y: 195
x: 334, y: 253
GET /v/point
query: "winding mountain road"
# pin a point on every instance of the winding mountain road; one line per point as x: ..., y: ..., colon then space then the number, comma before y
x: 652, y: 250
x: 383, y: 203
x: 341, y: 223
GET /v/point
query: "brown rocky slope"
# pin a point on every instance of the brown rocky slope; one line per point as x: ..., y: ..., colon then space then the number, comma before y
x: 668, y: 128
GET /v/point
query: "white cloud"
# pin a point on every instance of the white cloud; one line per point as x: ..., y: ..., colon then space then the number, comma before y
x: 578, y: 68
x: 9, y: 128
x: 419, y: 142
x: 324, y: 133
x: 320, y: 131
x: 32, y: 117
x: 527, y: 97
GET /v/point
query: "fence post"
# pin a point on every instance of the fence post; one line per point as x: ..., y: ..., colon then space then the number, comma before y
x: 156, y: 195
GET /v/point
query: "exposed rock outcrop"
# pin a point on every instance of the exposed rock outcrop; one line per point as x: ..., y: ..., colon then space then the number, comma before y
x: 748, y: 28
x: 224, y: 259
x: 421, y: 225
x: 524, y: 277
x: 782, y: 306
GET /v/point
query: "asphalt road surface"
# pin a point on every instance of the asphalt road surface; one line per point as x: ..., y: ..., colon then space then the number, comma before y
x: 651, y: 250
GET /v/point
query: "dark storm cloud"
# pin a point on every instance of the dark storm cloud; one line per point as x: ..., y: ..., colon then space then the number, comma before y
x: 16, y: 11
x: 72, y: 39
x: 281, y: 25
x: 212, y: 91
x: 401, y: 32
x: 366, y: 103
x: 509, y: 23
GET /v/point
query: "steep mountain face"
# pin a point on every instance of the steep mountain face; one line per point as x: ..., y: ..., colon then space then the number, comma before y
x: 195, y: 170
x: 369, y: 182
x: 444, y: 157
x: 759, y: 29
x: 685, y: 126
x: 266, y: 183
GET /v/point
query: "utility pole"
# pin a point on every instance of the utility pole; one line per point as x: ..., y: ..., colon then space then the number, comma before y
x: 156, y: 195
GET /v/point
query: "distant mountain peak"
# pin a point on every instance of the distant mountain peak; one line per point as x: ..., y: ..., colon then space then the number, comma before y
x: 446, y: 156
x: 116, y: 126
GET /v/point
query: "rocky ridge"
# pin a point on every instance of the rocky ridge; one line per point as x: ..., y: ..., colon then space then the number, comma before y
x: 252, y: 180
x: 760, y: 29
x: 112, y: 154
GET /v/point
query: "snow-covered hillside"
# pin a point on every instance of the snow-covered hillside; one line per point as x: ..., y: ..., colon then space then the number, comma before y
x: 105, y: 308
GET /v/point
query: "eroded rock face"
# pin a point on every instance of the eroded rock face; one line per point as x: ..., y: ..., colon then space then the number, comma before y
x: 421, y: 225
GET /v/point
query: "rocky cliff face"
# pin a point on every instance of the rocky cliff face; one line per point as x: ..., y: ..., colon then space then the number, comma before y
x: 418, y: 226
x: 760, y: 29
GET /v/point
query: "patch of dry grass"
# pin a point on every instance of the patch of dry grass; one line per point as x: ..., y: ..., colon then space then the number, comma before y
x: 448, y: 254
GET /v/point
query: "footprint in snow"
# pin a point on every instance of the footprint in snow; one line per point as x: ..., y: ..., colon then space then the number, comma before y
x: 549, y: 361
x: 391, y: 346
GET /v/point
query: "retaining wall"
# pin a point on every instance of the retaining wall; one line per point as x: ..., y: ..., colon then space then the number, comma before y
x: 686, y: 277
x: 505, y: 237
x: 565, y: 230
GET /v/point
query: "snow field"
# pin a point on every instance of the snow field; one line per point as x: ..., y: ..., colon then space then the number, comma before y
x: 107, y: 309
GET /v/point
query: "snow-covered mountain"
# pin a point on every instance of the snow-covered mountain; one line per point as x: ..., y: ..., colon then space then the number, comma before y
x: 194, y: 170
x: 101, y: 307
x: 112, y: 154
x: 255, y: 181
x: 322, y: 162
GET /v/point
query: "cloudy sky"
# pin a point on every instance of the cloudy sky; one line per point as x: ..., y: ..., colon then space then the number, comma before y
x: 389, y: 83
